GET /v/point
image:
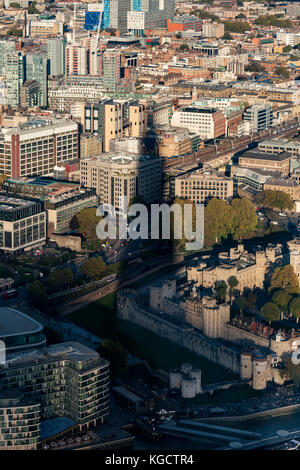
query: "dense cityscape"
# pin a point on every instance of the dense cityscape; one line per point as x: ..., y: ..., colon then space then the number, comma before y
x: 149, y: 226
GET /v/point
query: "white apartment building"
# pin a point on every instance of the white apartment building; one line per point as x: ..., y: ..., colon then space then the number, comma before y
x: 208, y: 123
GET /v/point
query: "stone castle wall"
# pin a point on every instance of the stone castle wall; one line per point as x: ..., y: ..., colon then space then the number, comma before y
x: 196, y: 342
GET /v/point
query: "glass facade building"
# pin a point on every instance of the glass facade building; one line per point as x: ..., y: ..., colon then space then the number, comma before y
x: 65, y: 379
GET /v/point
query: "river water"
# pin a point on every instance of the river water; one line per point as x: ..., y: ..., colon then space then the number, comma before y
x: 263, y: 426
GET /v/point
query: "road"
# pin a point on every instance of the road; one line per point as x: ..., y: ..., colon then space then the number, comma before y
x: 97, y: 294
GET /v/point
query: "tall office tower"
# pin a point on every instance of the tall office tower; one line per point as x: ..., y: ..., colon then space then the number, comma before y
x: 111, y: 68
x: 37, y: 69
x: 118, y: 14
x: 76, y: 60
x: 15, y: 76
x: 5, y: 47
x: 149, y: 14
x: 56, y: 53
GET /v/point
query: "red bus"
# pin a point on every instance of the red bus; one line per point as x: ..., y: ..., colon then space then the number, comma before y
x: 9, y: 294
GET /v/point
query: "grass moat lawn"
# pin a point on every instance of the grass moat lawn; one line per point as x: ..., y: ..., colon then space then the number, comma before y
x: 100, y: 318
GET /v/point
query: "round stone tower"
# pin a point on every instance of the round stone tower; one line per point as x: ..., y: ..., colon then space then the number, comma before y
x: 259, y: 380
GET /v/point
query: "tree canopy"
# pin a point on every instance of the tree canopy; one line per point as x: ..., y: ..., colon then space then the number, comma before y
x: 85, y: 223
x: 221, y: 219
x: 236, y: 26
x: 294, y: 307
x: 37, y: 295
x: 281, y: 298
x: 285, y: 278
x: 272, y: 20
x: 270, y: 312
x: 115, y: 354
x: 60, y: 278
x: 93, y: 267
x: 275, y: 199
x: 282, y: 72
x: 254, y: 66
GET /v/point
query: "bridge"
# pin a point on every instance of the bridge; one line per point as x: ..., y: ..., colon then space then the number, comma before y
x: 196, y: 430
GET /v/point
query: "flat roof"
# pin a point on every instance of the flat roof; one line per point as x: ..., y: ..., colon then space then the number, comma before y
x: 13, y: 322
x: 131, y: 396
x: 267, y: 156
x: 55, y: 426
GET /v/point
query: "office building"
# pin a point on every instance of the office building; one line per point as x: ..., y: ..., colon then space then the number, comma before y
x: 6, y: 46
x: 22, y: 224
x: 61, y: 199
x: 116, y: 14
x: 30, y: 94
x: 19, y: 422
x: 63, y: 206
x: 90, y: 145
x: 199, y: 186
x: 208, y: 123
x: 111, y: 69
x: 56, y: 53
x: 116, y: 175
x: 37, y: 68
x: 261, y: 116
x: 184, y: 23
x: 149, y: 14
x: 19, y: 331
x: 76, y: 59
x: 66, y: 379
x: 35, y: 147
x: 15, y: 76
x: 213, y: 30
x: 266, y: 161
x: 114, y: 119
x: 45, y: 28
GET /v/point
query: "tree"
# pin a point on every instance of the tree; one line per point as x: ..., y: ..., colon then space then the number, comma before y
x: 251, y: 300
x: 221, y: 293
x: 241, y: 303
x: 291, y: 371
x: 85, y: 222
x: 93, y: 267
x: 183, y: 47
x: 232, y: 282
x: 32, y: 9
x: 15, y: 5
x: 68, y: 277
x: 281, y: 299
x: 287, y: 48
x: 275, y: 199
x: 115, y: 354
x: 270, y: 312
x: 217, y: 220
x: 17, y: 33
x: 227, y: 36
x: 55, y: 280
x: 271, y: 20
x: 285, y: 278
x: 241, y: 16
x: 255, y: 66
x: 294, y: 308
x: 221, y: 290
x: 244, y: 218
x: 282, y: 72
x: 236, y: 26
x: 37, y: 295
